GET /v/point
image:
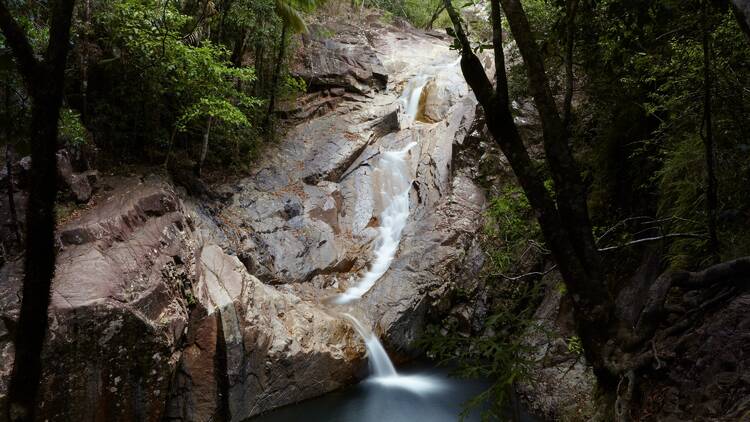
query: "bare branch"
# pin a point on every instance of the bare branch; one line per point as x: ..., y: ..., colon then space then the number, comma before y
x: 653, y: 239
x: 531, y: 274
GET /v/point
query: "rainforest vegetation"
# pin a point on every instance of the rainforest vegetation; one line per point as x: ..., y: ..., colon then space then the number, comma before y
x: 635, y: 159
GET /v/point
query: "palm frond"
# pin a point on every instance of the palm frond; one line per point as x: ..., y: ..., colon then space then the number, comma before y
x: 291, y: 15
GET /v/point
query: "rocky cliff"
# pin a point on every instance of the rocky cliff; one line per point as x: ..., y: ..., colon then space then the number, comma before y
x: 169, y: 307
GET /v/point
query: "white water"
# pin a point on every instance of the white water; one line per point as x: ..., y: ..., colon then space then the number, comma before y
x: 411, y: 97
x: 380, y: 364
x: 392, y: 182
x: 382, y: 369
x: 391, y: 176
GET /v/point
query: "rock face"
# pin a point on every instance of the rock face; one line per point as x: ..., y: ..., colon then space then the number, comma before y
x: 168, y: 309
x: 148, y: 314
x: 115, y: 317
x: 309, y: 215
x: 703, y: 371
x: 561, y: 384
x: 344, y: 60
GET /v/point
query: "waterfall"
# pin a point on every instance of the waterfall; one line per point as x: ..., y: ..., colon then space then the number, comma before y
x: 392, y: 177
x: 384, y: 373
x: 380, y: 364
x: 392, y: 183
x: 411, y: 97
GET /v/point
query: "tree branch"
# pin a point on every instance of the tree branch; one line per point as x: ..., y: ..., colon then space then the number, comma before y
x: 19, y: 43
x: 653, y: 239
x: 526, y: 275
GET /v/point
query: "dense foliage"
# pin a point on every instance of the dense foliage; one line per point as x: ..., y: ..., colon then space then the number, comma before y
x: 180, y: 82
x: 639, y: 131
x: 151, y: 78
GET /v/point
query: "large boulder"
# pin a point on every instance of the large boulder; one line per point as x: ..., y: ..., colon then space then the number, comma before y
x: 253, y: 348
x: 150, y: 319
x: 338, y: 55
x: 116, y: 317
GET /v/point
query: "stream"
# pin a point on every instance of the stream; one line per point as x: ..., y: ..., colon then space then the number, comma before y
x: 418, y: 392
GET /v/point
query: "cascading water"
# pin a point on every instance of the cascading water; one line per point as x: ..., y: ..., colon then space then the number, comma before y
x: 380, y: 364
x: 412, y: 96
x: 391, y: 175
x: 392, y: 182
x: 381, y: 367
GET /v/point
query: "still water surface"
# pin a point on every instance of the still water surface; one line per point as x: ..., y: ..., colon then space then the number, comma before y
x: 374, y: 401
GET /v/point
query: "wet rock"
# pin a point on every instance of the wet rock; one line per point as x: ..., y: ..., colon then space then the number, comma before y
x: 189, y: 331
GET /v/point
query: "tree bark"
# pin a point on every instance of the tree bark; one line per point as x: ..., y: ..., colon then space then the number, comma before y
x: 564, y: 220
x: 708, y: 141
x: 204, y: 147
x: 276, y: 75
x: 44, y: 81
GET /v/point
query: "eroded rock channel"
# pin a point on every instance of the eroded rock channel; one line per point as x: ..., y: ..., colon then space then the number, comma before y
x: 167, y: 307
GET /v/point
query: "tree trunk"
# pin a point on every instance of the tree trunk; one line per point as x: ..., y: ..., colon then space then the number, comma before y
x: 238, y: 52
x: 45, y: 82
x: 85, y: 61
x: 708, y: 141
x: 204, y: 147
x: 435, y: 15
x: 564, y: 220
x: 741, y: 10
x: 572, y: 7
x: 9, y: 165
x: 276, y: 75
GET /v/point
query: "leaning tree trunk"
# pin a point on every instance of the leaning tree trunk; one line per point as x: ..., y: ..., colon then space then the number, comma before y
x: 45, y: 82
x: 563, y: 220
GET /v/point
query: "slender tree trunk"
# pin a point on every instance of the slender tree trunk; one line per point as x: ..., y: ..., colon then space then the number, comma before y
x: 9, y: 165
x: 45, y: 82
x: 204, y: 147
x: 276, y: 75
x: 708, y: 140
x: 572, y: 8
x: 238, y: 52
x: 435, y: 15
x: 85, y: 61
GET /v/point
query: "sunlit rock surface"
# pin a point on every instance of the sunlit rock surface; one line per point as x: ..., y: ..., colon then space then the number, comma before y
x: 166, y: 308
